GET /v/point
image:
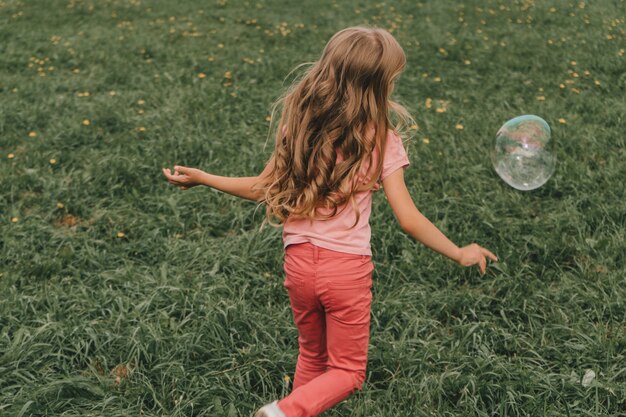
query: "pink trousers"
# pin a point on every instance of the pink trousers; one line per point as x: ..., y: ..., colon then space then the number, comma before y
x: 330, y: 296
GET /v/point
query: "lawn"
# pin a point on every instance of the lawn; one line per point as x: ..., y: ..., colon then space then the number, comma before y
x: 125, y: 296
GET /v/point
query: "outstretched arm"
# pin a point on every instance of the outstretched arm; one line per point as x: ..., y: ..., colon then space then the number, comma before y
x: 186, y: 177
x: 417, y: 225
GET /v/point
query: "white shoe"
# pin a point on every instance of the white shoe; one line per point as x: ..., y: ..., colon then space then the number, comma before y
x: 270, y: 410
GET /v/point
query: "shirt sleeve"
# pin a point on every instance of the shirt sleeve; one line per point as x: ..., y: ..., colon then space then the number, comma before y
x: 395, y: 155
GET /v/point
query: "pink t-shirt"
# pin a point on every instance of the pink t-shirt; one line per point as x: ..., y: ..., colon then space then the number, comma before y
x: 334, y: 233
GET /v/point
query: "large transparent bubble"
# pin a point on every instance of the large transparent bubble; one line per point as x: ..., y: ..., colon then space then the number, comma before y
x: 523, y: 156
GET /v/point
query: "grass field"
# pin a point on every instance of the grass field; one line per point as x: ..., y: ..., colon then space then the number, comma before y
x: 124, y: 296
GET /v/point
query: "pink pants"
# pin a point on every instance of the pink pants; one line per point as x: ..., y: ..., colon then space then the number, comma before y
x: 330, y: 295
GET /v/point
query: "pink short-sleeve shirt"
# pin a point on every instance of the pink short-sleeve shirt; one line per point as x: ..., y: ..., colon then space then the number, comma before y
x: 334, y: 234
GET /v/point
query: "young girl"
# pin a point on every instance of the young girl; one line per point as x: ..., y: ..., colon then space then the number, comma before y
x: 334, y: 147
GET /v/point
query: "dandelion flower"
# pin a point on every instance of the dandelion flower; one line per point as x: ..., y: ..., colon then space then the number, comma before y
x: 14, y: 219
x: 541, y: 98
x: 10, y: 156
x: 32, y: 134
x: 120, y: 234
x: 201, y: 75
x: 52, y: 161
x: 459, y: 126
x: 429, y: 102
x: 86, y: 122
x: 562, y: 121
x: 60, y: 205
x: 425, y: 141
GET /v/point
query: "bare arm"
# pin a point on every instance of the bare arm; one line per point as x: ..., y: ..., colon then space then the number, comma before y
x: 186, y: 177
x: 420, y: 228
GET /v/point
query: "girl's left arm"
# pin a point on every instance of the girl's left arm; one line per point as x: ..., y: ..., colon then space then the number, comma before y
x: 186, y: 177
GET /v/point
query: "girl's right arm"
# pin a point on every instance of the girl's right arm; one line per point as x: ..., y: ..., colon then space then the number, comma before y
x: 417, y: 225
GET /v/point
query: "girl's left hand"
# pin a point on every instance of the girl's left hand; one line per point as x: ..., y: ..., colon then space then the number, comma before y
x: 183, y: 177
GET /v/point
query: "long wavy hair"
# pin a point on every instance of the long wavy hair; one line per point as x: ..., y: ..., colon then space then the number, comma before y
x: 340, y: 104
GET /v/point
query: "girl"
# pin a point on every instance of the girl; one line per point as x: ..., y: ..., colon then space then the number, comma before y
x: 335, y: 145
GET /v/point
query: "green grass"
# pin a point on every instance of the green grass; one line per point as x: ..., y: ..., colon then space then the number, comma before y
x: 187, y: 309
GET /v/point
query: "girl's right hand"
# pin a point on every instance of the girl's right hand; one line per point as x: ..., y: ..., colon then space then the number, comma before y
x: 183, y: 177
x: 474, y: 254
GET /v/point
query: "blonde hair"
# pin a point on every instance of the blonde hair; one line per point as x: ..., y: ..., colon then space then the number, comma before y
x: 334, y: 104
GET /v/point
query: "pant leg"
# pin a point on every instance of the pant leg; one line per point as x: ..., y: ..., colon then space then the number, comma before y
x: 311, y: 323
x: 310, y: 320
x: 346, y: 297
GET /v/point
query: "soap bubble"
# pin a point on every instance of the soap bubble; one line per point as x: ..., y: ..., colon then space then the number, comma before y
x: 523, y: 155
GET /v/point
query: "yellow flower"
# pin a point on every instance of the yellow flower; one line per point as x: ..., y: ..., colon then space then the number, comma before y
x: 10, y: 156
x: 211, y: 59
x: 429, y: 102
x: 52, y: 161
x: 220, y: 45
x: 286, y: 378
x: 228, y: 75
x: 112, y: 93
x: 467, y: 61
x: 76, y: 70
x: 459, y: 126
x: 268, y: 118
x: 414, y: 126
x: 32, y: 134
x: 440, y: 110
x: 425, y: 141
x: 437, y: 79
x: 561, y: 85
x: 562, y: 121
x: 141, y: 129
x: 120, y: 234
x: 14, y: 219
x: 201, y: 75
x: 60, y: 205
x: 597, y: 82
x: 541, y: 98
x: 141, y: 102
x: 575, y: 90
x: 86, y: 122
